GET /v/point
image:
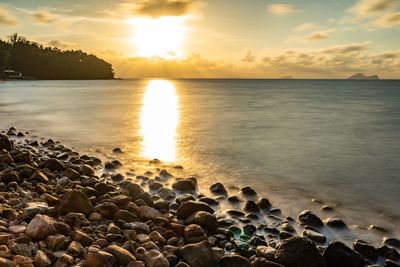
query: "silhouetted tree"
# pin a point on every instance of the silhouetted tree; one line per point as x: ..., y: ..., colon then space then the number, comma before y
x: 50, y: 62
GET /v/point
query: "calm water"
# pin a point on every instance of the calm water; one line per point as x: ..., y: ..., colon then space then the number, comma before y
x: 337, y: 141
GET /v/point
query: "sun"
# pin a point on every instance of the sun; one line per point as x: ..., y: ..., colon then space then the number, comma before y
x: 159, y: 37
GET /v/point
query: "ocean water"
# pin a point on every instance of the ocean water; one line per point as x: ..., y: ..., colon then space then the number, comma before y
x: 337, y: 141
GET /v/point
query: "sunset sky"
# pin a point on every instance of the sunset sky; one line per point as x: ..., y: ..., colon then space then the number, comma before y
x: 219, y: 38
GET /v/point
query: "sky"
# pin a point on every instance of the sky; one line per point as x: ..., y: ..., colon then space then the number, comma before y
x: 219, y: 38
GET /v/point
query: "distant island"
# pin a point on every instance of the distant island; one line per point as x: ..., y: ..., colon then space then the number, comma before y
x: 20, y: 58
x: 360, y: 76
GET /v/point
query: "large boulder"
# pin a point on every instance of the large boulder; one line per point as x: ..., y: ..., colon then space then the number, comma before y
x: 299, y: 252
x: 199, y: 255
x: 205, y: 219
x: 42, y: 226
x: 189, y: 207
x: 338, y: 254
x: 74, y: 201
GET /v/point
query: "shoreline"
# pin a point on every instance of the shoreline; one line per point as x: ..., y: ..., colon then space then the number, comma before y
x: 92, y: 212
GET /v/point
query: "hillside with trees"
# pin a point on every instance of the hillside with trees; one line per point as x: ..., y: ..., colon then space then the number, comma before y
x: 35, y: 60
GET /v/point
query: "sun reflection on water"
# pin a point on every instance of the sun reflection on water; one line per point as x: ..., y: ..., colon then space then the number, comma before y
x: 159, y: 120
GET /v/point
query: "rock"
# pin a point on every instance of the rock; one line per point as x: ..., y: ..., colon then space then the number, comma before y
x: 251, y: 206
x: 71, y: 173
x: 261, y: 262
x: 392, y: 242
x: 234, y: 199
x: 338, y: 254
x: 248, y: 191
x: 184, y: 185
x: 309, y: 218
x: 218, y: 188
x: 65, y: 260
x: 249, y: 229
x: 154, y: 258
x: 335, y: 223
x: 314, y: 236
x: 6, y: 143
x: 41, y: 226
x: 54, y: 165
x: 193, y: 233
x: 6, y: 263
x: 299, y: 252
x: 234, y: 260
x: 24, y: 157
x: 148, y: 213
x: 123, y: 256
x: 81, y: 237
x: 125, y: 216
x: 205, y: 219
x: 137, y: 264
x: 132, y: 189
x: 199, y: 255
x: 266, y: 252
x: 23, y: 261
x: 74, y: 201
x: 86, y: 170
x: 388, y: 253
x: 367, y: 251
x: 98, y: 258
x: 75, y: 248
x: 166, y: 194
x: 390, y: 263
x: 106, y: 209
x: 189, y: 207
x: 264, y: 204
x: 41, y: 259
x: 56, y: 242
x: 33, y: 208
x: 39, y: 177
x: 6, y: 158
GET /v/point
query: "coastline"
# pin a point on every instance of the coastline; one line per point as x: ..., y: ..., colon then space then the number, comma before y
x: 62, y: 208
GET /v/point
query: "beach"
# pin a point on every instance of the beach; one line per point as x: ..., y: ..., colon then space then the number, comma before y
x: 63, y: 208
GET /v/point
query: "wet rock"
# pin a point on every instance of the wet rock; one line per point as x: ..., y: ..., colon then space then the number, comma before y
x: 33, y: 208
x: 132, y: 189
x: 390, y: 263
x: 126, y: 216
x: 251, y: 206
x: 75, y: 248
x: 261, y: 262
x: 123, y: 256
x: 184, y: 185
x: 193, y: 233
x: 366, y: 250
x: 166, y: 194
x: 266, y: 252
x: 235, y: 213
x: 189, y: 207
x: 74, y: 201
x: 155, y: 185
x: 65, y: 260
x: 42, y: 226
x: 205, y: 219
x: 6, y: 262
x: 24, y: 261
x: 98, y: 258
x: 41, y: 259
x: 6, y: 158
x: 81, y: 237
x: 248, y: 191
x: 234, y: 199
x: 335, y: 223
x: 154, y: 258
x: 392, y: 242
x: 86, y: 170
x: 6, y: 143
x: 388, y: 253
x: 54, y: 165
x: 218, y: 188
x: 56, y: 242
x: 199, y: 255
x: 39, y: 177
x: 234, y: 260
x: 249, y: 229
x: 264, y: 204
x: 309, y: 218
x: 148, y: 213
x: 338, y: 254
x: 117, y: 150
x: 314, y: 236
x: 24, y: 157
x: 299, y: 252
x: 106, y: 209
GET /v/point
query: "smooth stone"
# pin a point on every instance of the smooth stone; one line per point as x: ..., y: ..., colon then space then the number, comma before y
x: 81, y: 237
x: 261, y: 262
x: 299, y: 252
x: 366, y: 250
x: 264, y: 204
x: 199, y: 255
x: 148, y: 213
x: 125, y: 216
x: 218, y: 188
x: 335, y: 223
x: 154, y: 258
x: 54, y: 165
x: 41, y: 259
x: 205, y: 219
x: 393, y: 242
x: 132, y: 189
x: 248, y: 191
x: 251, y: 206
x: 193, y: 233
x: 184, y: 185
x: 41, y: 226
x: 189, y: 207
x: 308, y: 218
x: 123, y: 256
x: 74, y: 201
x: 314, y: 236
x: 338, y: 254
x: 234, y: 260
x: 98, y: 258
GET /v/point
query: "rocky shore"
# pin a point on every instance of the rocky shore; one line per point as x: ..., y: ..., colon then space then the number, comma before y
x: 60, y: 208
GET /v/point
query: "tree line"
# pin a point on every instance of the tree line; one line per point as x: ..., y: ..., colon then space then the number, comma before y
x: 35, y: 60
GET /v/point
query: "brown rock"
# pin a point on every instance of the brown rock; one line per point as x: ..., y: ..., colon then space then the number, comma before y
x: 74, y: 201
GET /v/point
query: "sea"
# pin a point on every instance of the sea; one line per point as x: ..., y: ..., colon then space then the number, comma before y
x: 302, y: 144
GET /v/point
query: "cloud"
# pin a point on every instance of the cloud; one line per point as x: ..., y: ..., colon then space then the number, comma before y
x: 44, y: 17
x: 346, y: 49
x: 6, y: 18
x: 305, y: 27
x: 318, y: 35
x: 282, y: 9
x: 376, y: 13
x: 248, y: 57
x: 159, y: 8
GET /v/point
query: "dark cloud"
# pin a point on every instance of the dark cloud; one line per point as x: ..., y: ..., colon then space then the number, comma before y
x: 159, y: 8
x: 248, y: 57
